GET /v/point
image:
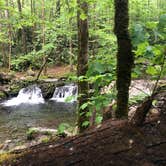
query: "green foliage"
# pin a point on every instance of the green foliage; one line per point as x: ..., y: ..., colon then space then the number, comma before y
x: 98, y: 119
x: 138, y: 35
x: 137, y: 99
x: 45, y: 140
x: 30, y: 133
x: 62, y: 127
x: 148, y: 41
x: 85, y: 123
x: 24, y: 62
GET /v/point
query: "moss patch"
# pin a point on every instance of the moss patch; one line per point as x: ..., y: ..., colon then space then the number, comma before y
x: 2, y: 95
x: 6, y: 157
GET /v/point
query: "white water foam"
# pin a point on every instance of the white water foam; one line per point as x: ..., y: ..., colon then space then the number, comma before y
x: 67, y: 93
x: 29, y: 95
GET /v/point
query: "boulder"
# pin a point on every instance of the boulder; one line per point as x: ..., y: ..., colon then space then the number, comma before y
x: 5, y: 78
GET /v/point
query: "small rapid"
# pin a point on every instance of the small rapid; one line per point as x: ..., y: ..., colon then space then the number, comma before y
x: 29, y: 109
x: 29, y: 95
x: 67, y: 93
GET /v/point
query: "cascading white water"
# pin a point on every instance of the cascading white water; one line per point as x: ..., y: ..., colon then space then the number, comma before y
x: 67, y: 93
x: 29, y: 95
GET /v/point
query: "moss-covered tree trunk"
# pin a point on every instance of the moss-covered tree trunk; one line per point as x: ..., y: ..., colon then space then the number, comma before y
x: 124, y: 56
x: 82, y: 62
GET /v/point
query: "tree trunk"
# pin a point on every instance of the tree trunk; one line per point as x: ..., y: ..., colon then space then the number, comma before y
x: 23, y: 33
x: 43, y: 31
x: 34, y: 25
x: 124, y: 56
x: 58, y: 8
x: 9, y: 37
x: 71, y: 55
x: 2, y: 44
x: 82, y: 62
x: 31, y: 7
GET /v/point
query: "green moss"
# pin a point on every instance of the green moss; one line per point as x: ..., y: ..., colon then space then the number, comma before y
x: 14, y: 89
x: 6, y: 157
x: 30, y: 133
x: 2, y: 95
x: 47, y: 133
x: 45, y: 140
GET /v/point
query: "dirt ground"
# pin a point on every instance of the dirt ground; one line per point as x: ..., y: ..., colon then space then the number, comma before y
x: 56, y: 71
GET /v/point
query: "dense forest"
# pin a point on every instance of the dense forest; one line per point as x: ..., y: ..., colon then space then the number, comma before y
x: 104, y: 47
x: 32, y: 30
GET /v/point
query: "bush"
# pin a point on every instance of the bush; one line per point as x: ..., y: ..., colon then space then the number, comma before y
x: 23, y: 62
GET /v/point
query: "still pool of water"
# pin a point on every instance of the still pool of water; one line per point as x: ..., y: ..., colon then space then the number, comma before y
x: 15, y: 120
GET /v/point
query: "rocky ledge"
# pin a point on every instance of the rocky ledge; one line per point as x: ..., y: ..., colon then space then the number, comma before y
x: 10, y: 86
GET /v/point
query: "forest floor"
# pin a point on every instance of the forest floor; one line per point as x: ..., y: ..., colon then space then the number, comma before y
x: 114, y: 143
x: 52, y: 72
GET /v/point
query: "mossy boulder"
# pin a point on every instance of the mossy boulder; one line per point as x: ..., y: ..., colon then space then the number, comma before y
x: 5, y: 78
x: 47, y: 86
x: 47, y: 89
x: 3, y: 95
x: 15, y: 87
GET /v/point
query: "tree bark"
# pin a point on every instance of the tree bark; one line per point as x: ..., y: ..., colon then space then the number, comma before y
x: 43, y: 31
x: 22, y: 30
x: 82, y: 62
x: 124, y: 56
x: 58, y: 8
x: 2, y: 48
x: 9, y: 37
x: 34, y: 25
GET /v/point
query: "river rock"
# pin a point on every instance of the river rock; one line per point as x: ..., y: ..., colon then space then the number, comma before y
x: 30, y: 72
x: 3, y: 95
x: 5, y: 78
x: 19, y: 147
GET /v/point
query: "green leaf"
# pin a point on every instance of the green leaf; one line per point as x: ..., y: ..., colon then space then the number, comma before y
x: 138, y: 34
x: 151, y: 25
x: 70, y: 98
x: 98, y: 119
x: 141, y: 48
x: 89, y: 114
x: 151, y: 70
x: 85, y: 124
x: 154, y: 103
x: 84, y: 106
x: 62, y: 127
x: 162, y: 21
x: 83, y: 16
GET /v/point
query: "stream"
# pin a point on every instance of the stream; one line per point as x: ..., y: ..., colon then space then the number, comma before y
x: 15, y: 121
x: 29, y: 109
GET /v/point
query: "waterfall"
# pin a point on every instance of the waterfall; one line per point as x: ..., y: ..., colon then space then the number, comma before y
x: 29, y: 95
x: 67, y: 93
